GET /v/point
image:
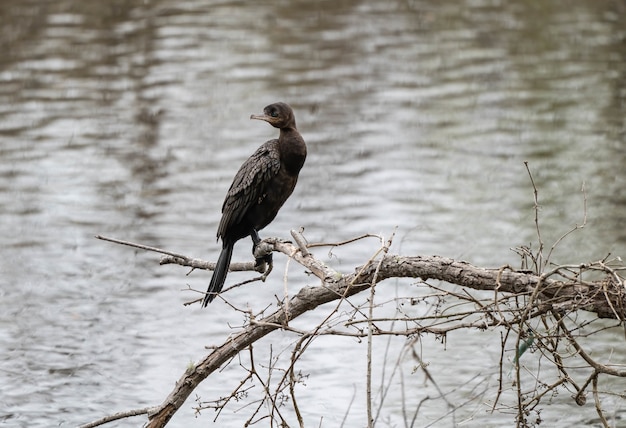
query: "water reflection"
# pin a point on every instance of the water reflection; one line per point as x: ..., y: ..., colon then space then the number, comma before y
x: 129, y: 118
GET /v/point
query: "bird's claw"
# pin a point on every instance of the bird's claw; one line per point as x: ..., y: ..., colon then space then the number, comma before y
x: 264, y: 264
x: 263, y: 260
x: 270, y: 266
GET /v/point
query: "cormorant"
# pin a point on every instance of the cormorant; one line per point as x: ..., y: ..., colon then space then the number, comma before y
x: 260, y: 187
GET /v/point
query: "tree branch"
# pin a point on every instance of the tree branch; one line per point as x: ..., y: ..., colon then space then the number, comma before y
x: 335, y: 286
x: 605, y: 297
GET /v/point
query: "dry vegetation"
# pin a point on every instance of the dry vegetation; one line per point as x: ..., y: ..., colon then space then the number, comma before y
x: 553, y: 312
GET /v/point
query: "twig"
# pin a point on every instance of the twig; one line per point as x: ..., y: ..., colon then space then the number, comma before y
x: 140, y: 246
x: 340, y: 243
x: 596, y: 398
x: 370, y: 328
x: 537, y: 228
x: 117, y: 416
x: 300, y: 241
x: 572, y: 230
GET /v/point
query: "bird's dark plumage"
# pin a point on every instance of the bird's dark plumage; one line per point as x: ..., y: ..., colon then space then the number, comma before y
x: 260, y: 187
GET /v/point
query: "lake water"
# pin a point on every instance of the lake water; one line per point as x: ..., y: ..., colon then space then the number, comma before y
x: 130, y: 118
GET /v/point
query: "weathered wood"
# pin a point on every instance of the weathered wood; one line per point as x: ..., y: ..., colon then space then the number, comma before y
x: 600, y: 297
x: 556, y: 291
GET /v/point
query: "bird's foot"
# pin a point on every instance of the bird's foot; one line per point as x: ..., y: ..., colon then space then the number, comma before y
x: 270, y: 266
x: 264, y: 264
x: 263, y: 260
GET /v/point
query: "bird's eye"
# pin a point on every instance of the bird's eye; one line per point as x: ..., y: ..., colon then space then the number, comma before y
x: 274, y: 113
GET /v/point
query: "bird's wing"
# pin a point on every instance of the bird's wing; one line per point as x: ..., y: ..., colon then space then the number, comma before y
x: 249, y: 184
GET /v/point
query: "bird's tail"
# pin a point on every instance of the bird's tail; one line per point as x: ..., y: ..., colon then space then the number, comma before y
x: 219, y: 274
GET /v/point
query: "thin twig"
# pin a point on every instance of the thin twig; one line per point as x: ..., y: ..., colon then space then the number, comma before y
x: 141, y: 246
x: 117, y: 416
x: 572, y: 230
x: 370, y: 330
x: 537, y: 228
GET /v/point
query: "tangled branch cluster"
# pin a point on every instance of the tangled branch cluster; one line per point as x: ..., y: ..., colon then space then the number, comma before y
x: 553, y: 311
x: 536, y: 312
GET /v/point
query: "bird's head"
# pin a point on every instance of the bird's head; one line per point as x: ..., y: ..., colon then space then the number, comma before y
x: 279, y: 115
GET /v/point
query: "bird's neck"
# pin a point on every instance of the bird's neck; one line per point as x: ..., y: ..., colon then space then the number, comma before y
x: 288, y: 130
x: 292, y: 149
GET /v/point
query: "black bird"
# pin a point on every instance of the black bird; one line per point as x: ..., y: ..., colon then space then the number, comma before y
x: 260, y: 187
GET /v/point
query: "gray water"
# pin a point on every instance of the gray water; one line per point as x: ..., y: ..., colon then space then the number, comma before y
x: 129, y: 119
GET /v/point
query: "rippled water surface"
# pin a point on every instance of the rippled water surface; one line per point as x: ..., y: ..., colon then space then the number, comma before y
x: 129, y: 119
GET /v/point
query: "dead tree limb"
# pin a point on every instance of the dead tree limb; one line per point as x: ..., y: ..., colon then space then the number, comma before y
x: 595, y: 297
x: 562, y: 289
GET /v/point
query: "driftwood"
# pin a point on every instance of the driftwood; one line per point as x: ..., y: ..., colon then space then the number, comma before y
x: 557, y: 292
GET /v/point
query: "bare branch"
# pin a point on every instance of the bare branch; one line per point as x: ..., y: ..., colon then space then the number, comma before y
x: 117, y: 416
x: 517, y: 297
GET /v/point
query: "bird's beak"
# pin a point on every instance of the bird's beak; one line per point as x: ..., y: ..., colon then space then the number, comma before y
x: 262, y: 117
